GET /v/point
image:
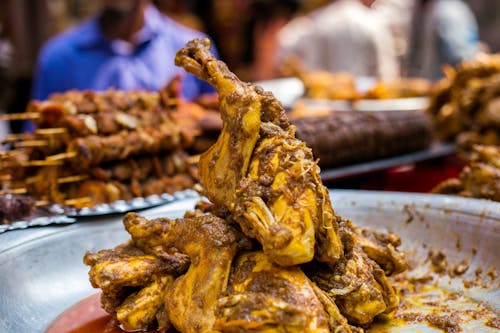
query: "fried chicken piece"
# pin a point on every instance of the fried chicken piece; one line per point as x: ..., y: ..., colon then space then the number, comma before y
x: 379, y: 247
x: 141, y: 308
x: 130, y: 272
x: 211, y: 243
x: 357, y: 284
x: 467, y: 101
x: 264, y: 297
x: 479, y: 179
x: 134, y: 283
x: 259, y: 171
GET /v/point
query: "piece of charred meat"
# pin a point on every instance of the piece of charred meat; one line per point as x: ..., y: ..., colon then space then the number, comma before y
x: 14, y: 207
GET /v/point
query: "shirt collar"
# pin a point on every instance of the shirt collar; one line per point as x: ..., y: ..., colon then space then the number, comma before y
x: 90, y: 34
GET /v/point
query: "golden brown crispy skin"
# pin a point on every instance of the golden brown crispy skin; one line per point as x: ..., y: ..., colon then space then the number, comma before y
x: 264, y: 297
x: 264, y: 181
x: 379, y: 247
x: 479, y: 179
x: 134, y: 283
x: 211, y: 243
x: 259, y: 171
x: 141, y: 308
x: 357, y: 284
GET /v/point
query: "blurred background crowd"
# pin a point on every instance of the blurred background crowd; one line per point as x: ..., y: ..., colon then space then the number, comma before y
x: 383, y: 38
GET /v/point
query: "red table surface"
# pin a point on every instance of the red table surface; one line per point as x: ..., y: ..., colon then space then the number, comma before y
x: 416, y: 177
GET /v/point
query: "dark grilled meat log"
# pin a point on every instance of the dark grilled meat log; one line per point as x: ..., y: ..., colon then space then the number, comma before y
x: 343, y: 138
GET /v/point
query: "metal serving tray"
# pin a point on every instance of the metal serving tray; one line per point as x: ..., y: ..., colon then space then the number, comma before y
x: 437, y: 149
x: 42, y: 274
x: 289, y: 90
x: 65, y: 215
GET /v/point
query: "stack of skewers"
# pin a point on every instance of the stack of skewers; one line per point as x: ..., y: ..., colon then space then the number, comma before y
x: 90, y: 148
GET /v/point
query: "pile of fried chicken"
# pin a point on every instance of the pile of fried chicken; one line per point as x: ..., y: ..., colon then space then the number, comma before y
x: 480, y: 178
x: 465, y: 105
x: 267, y: 254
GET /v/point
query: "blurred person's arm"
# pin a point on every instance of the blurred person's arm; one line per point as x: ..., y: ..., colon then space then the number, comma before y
x: 457, y: 34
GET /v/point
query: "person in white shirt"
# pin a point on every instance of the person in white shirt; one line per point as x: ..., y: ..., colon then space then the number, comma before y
x: 343, y: 36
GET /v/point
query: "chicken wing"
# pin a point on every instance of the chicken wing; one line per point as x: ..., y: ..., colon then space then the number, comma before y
x: 259, y: 171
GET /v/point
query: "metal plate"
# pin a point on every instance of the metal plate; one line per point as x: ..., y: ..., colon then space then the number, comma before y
x: 36, y: 222
x: 437, y: 149
x: 286, y: 90
x: 123, y: 206
x: 42, y: 274
x: 368, y: 105
x: 395, y: 104
x: 289, y: 90
x: 65, y: 215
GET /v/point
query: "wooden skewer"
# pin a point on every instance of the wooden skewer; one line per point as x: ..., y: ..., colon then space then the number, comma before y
x: 51, y: 131
x: 20, y: 116
x: 34, y: 179
x: 5, y: 178
x: 41, y: 163
x: 193, y: 159
x: 61, y: 156
x: 31, y: 143
x: 13, y: 191
x: 41, y: 131
x: 11, y: 153
x: 71, y: 179
x: 14, y: 137
x: 77, y: 201
x: 172, y: 101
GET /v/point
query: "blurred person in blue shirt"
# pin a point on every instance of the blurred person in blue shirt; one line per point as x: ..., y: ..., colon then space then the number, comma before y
x: 128, y: 45
x: 443, y: 32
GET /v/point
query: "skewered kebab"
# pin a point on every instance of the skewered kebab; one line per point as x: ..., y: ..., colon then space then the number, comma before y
x: 93, y: 149
x: 144, y: 166
x: 92, y: 169
x: 93, y: 192
x: 150, y: 131
x: 135, y: 177
x: 60, y: 115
